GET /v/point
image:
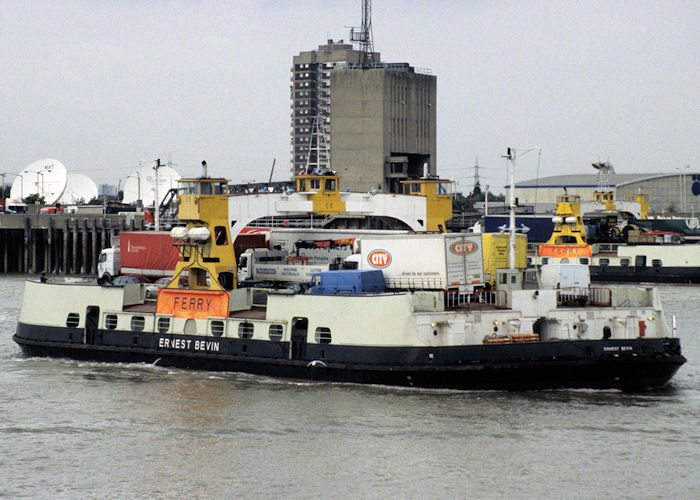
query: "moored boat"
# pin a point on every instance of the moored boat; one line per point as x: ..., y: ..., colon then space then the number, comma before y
x: 658, y: 257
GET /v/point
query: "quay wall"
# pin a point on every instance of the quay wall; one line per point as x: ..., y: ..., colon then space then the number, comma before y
x: 59, y: 243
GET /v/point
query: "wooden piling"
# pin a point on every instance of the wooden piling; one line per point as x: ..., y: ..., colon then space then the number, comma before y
x: 27, y: 240
x: 66, y: 267
x: 92, y: 268
x: 76, y: 234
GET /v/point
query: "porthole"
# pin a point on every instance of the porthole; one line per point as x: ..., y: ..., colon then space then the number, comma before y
x: 624, y: 262
x: 72, y: 320
x: 111, y: 322
x: 137, y: 323
x: 163, y: 325
x: 217, y: 328
x: 245, y: 330
x: 275, y: 332
x: 323, y: 335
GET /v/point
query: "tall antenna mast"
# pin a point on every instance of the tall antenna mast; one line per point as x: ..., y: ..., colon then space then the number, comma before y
x: 477, y: 185
x: 363, y: 35
x: 318, y: 159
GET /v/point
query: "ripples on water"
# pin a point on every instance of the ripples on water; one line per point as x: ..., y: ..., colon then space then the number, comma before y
x: 72, y: 429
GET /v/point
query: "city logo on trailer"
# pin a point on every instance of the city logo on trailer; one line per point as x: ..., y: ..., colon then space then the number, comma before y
x: 463, y: 247
x: 379, y: 259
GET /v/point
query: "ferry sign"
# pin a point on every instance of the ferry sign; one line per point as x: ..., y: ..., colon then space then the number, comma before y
x: 565, y: 251
x: 192, y: 304
x: 463, y: 247
x: 379, y: 259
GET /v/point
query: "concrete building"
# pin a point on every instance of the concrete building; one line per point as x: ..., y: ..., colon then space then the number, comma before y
x: 107, y: 190
x: 373, y: 126
x: 669, y: 193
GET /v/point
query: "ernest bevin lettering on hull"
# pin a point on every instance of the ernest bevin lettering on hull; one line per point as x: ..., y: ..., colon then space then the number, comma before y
x: 194, y: 304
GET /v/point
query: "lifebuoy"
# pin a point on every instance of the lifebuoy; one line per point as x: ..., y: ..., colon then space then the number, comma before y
x: 285, y: 223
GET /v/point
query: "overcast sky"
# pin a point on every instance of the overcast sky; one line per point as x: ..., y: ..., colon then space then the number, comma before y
x: 101, y: 85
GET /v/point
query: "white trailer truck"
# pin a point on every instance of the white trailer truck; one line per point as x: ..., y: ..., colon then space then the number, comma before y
x: 445, y: 261
x: 274, y: 268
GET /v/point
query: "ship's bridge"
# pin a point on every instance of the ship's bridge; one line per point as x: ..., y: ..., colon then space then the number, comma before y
x: 425, y: 205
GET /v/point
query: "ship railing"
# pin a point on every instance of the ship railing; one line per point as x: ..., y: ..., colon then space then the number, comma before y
x: 299, y: 222
x: 495, y: 298
x: 600, y: 296
x: 405, y: 283
x: 580, y: 296
x: 572, y: 296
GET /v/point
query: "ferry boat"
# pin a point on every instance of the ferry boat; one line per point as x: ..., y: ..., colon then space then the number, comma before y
x: 649, y: 256
x: 518, y: 335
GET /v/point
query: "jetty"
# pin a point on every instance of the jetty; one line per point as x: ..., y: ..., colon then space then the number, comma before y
x: 60, y: 243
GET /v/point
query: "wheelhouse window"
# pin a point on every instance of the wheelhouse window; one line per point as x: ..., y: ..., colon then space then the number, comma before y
x: 330, y: 185
x: 220, y: 188
x: 206, y: 188
x: 444, y: 188
x: 314, y: 184
x: 656, y: 262
x: 182, y: 188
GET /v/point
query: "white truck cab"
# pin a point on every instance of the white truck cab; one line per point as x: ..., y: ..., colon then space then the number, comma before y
x: 108, y: 265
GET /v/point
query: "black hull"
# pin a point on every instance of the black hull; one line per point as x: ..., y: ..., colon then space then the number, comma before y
x: 636, y: 364
x: 618, y: 274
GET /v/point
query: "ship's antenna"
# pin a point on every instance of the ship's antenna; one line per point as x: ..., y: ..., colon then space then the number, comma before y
x: 156, y: 197
x: 363, y: 35
x: 604, y: 169
x: 511, y: 155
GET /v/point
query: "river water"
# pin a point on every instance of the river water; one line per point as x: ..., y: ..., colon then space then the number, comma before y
x: 86, y: 430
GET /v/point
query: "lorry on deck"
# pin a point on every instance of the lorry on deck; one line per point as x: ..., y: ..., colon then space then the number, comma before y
x: 322, y: 246
x: 265, y: 267
x: 496, y: 250
x: 140, y: 253
x: 455, y: 262
x: 437, y: 261
x: 292, y: 256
